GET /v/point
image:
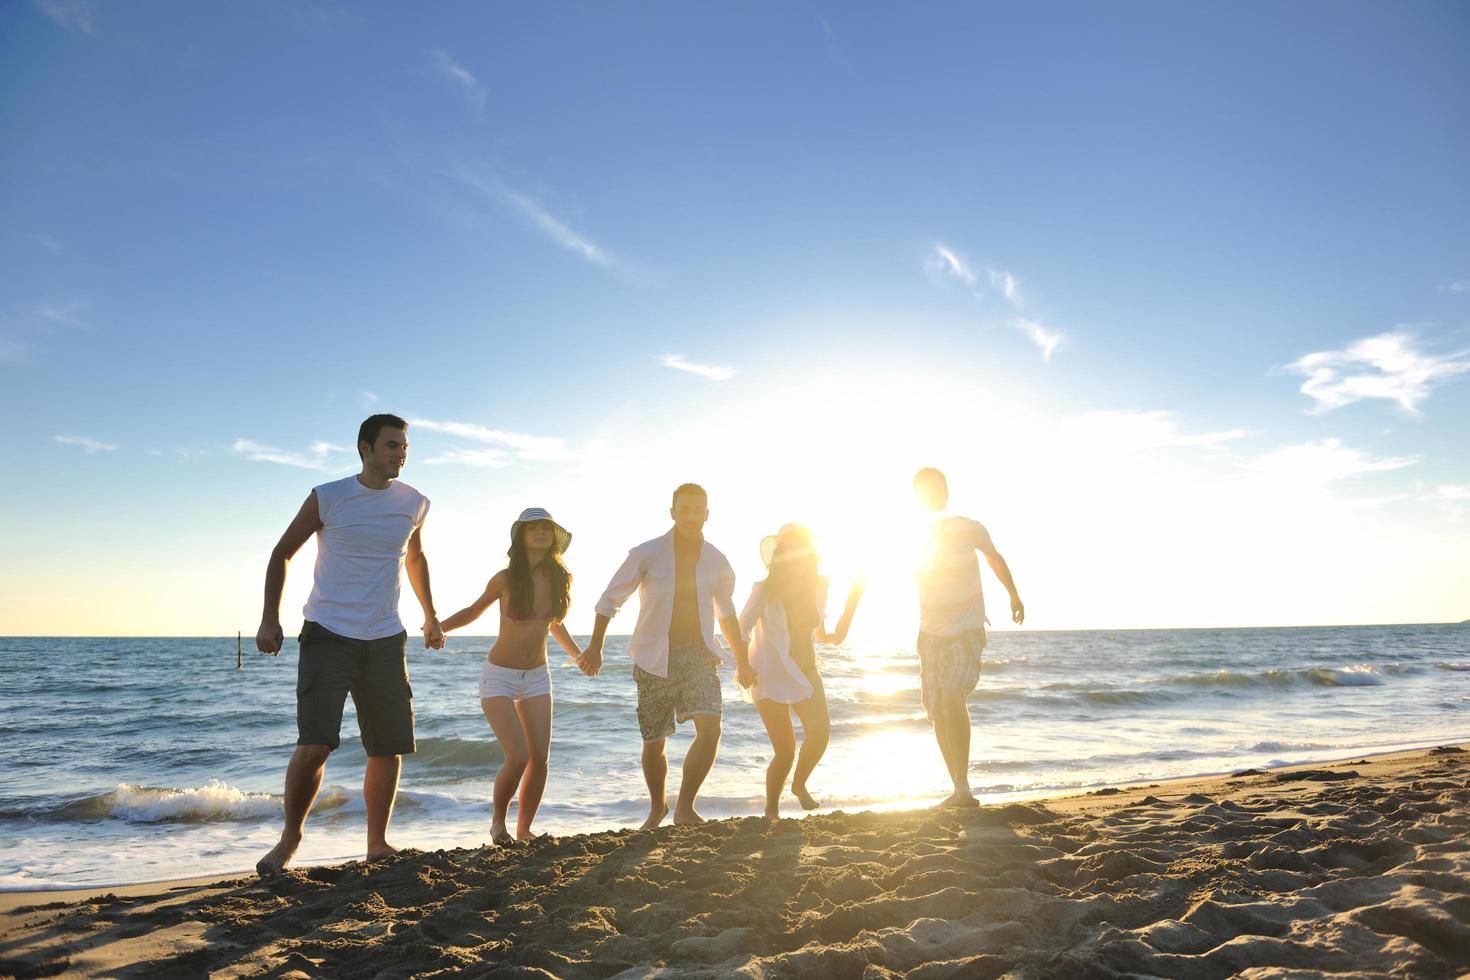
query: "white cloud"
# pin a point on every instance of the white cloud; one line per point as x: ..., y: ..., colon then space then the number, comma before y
x: 946, y: 263
x: 70, y: 15
x: 544, y: 221
x: 89, y: 445
x: 319, y: 456
x: 525, y: 447
x: 50, y: 244
x: 1130, y: 431
x: 1045, y: 339
x: 1458, y: 286
x: 557, y: 230
x: 368, y: 399
x: 713, y: 372
x: 460, y: 78
x: 1316, y: 464
x: 1007, y: 285
x: 497, y: 458
x: 13, y: 352
x: 1449, y: 491
x: 1388, y: 366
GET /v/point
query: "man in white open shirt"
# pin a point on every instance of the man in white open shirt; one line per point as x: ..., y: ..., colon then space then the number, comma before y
x: 952, y: 624
x: 683, y: 584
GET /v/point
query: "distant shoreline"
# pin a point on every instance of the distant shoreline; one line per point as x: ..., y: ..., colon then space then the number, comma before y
x: 996, y: 628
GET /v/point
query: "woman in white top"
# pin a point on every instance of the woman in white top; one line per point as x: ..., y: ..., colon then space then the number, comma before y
x: 515, y: 685
x: 783, y: 619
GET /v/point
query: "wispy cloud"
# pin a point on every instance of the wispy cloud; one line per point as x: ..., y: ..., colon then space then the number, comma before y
x: 945, y: 265
x: 89, y: 445
x: 13, y: 352
x: 1389, y: 366
x: 1323, y: 462
x: 50, y: 244
x: 1136, y: 431
x: 1007, y: 285
x: 468, y: 85
x: 496, y: 458
x: 1045, y: 339
x: 319, y: 456
x: 558, y: 230
x: 368, y: 399
x: 1458, y: 286
x: 70, y: 15
x: 487, y: 187
x: 512, y: 445
x: 713, y: 372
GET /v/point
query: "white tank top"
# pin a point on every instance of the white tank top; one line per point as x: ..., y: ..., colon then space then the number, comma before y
x: 360, y: 551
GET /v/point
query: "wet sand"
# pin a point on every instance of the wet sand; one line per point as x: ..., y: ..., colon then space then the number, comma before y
x: 1361, y: 865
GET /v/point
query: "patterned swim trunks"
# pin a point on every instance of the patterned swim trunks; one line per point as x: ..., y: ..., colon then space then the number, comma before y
x: 950, y: 663
x: 692, y: 688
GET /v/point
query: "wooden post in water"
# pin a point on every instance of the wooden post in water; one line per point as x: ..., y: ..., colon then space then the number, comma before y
x: 239, y: 653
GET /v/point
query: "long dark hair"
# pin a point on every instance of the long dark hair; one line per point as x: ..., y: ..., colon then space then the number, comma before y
x: 522, y: 604
x: 792, y: 580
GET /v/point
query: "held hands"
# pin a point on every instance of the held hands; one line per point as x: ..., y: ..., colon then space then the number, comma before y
x: 744, y: 675
x: 268, y: 638
x: 433, y: 634
x: 590, y: 662
x: 1018, y: 610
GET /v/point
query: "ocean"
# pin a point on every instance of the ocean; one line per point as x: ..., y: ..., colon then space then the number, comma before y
x: 135, y: 760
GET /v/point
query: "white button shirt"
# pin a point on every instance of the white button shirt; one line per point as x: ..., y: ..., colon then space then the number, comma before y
x: 649, y: 568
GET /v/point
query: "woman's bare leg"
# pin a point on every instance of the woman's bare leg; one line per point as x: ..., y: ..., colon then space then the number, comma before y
x: 777, y: 718
x: 816, y: 730
x: 536, y: 725
x: 500, y: 712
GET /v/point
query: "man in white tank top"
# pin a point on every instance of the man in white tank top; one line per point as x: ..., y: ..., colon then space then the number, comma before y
x: 352, y: 640
x: 952, y: 624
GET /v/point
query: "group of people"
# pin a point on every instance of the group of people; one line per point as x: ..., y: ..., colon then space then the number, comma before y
x: 353, y: 642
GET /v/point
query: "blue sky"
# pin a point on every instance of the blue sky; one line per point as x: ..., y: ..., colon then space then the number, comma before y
x: 1180, y: 293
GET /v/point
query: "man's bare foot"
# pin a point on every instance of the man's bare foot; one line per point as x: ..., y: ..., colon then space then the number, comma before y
x: 772, y: 813
x: 959, y: 801
x: 500, y: 835
x: 687, y: 818
x: 275, y: 862
x: 379, y: 851
x: 526, y: 835
x: 656, y: 814
x: 804, y: 798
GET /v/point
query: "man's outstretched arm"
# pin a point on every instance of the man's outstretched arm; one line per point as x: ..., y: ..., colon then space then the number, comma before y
x: 1002, y: 571
x: 308, y: 521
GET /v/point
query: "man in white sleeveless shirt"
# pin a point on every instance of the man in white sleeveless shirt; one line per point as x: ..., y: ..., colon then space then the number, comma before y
x: 352, y: 641
x: 952, y: 624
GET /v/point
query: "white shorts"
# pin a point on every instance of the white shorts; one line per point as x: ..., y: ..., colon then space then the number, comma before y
x: 507, y: 682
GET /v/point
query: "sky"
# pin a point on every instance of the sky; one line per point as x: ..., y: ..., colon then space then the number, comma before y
x: 1178, y: 295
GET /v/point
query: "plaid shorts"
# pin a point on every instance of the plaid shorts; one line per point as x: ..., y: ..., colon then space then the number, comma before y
x: 691, y: 688
x: 950, y: 663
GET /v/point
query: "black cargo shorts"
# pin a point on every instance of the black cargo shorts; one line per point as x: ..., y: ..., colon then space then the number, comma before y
x: 374, y: 672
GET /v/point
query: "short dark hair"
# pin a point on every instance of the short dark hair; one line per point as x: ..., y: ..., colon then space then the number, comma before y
x: 693, y: 488
x: 374, y: 424
x: 929, y: 476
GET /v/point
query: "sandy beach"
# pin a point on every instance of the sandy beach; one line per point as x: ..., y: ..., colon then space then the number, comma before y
x: 1361, y: 865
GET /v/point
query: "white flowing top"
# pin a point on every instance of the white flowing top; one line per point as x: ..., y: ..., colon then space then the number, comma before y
x: 359, y: 557
x: 649, y: 568
x: 763, y: 624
